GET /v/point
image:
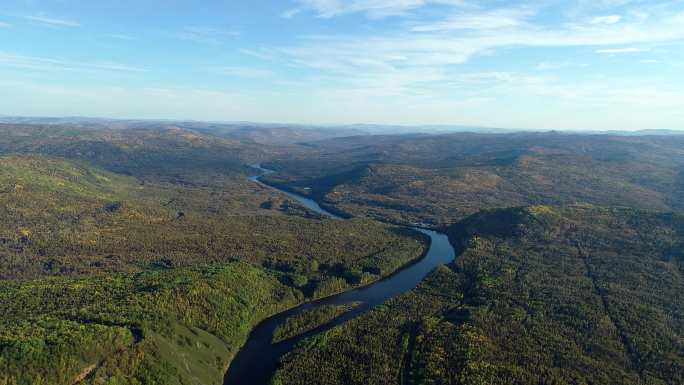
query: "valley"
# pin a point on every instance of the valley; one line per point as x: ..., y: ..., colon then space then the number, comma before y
x: 258, y: 360
x: 152, y: 254
x: 538, y: 295
x: 172, y: 268
x: 440, y: 179
x: 342, y: 192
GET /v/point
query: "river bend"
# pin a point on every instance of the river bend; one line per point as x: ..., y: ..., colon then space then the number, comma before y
x: 258, y: 359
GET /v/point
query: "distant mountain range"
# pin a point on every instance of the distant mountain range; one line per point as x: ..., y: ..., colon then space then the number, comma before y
x: 285, y: 132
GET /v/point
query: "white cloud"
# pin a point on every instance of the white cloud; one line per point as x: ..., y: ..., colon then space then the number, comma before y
x: 263, y: 54
x: 120, y: 36
x: 372, y: 8
x: 31, y: 98
x: 291, y: 13
x: 613, y: 51
x: 351, y: 54
x: 206, y: 35
x: 110, y: 66
x: 515, y: 97
x: 244, y: 72
x: 4, y: 25
x: 407, y: 69
x: 51, y: 64
x: 418, y: 63
x: 488, y: 81
x: 679, y: 18
x: 470, y: 98
x: 455, y: 37
x: 612, y: 19
x: 550, y: 66
x: 54, y: 22
x: 496, y: 19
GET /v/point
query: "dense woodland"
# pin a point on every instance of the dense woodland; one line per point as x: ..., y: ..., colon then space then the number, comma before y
x: 62, y: 218
x: 310, y: 319
x: 177, y: 326
x: 122, y: 260
x: 440, y: 179
x: 141, y: 253
x: 541, y: 295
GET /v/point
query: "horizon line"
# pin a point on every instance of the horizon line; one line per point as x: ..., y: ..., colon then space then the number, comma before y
x: 445, y: 126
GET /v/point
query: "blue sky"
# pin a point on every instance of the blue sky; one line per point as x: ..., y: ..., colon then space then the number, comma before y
x: 551, y: 64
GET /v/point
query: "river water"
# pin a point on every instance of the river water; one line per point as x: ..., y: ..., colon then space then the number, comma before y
x: 258, y: 359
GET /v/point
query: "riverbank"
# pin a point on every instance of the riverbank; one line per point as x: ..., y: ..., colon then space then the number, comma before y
x: 258, y: 359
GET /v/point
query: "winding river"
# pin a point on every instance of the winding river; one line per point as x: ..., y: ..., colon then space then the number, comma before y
x: 258, y: 359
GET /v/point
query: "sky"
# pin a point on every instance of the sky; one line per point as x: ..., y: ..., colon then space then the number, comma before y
x: 546, y: 64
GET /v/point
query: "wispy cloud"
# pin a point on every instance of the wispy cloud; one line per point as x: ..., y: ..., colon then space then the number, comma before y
x: 372, y: 8
x: 244, y: 72
x: 615, y: 51
x: 612, y: 19
x: 53, y: 21
x: 4, y: 25
x: 290, y: 13
x: 551, y: 66
x: 394, y: 60
x: 679, y: 18
x: 52, y: 64
x: 495, y: 19
x: 45, y: 98
x: 444, y: 42
x: 206, y: 35
x: 111, y: 66
x: 120, y: 36
x: 351, y: 54
x: 422, y: 54
x: 262, y: 53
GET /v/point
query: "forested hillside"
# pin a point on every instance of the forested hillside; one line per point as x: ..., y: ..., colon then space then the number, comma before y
x: 341, y: 192
x: 540, y: 295
x: 144, y: 255
x: 165, y: 153
x: 178, y: 326
x: 147, y: 257
x: 440, y: 179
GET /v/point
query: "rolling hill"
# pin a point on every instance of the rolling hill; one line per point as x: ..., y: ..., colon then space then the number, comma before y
x: 123, y: 262
x: 441, y: 179
x: 539, y: 295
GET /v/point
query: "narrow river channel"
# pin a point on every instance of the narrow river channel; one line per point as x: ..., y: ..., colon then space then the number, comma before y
x: 258, y: 359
